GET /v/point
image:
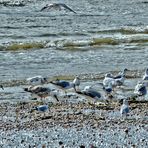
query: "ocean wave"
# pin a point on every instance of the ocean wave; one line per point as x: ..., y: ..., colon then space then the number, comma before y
x: 77, y: 44
x: 13, y: 3
x: 22, y: 46
x: 125, y: 30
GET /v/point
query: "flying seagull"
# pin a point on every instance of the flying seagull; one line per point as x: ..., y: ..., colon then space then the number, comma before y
x: 57, y: 6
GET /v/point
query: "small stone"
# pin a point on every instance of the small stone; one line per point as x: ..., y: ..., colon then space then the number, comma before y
x: 142, y: 140
x: 92, y: 146
x: 43, y: 146
x: 46, y: 137
x: 22, y: 141
x: 126, y: 130
x: 60, y: 142
x: 133, y: 146
x: 82, y: 146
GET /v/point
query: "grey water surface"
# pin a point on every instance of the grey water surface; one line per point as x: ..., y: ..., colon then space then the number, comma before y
x: 106, y: 35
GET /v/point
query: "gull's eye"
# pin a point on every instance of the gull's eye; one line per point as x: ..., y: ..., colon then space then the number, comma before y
x: 36, y: 79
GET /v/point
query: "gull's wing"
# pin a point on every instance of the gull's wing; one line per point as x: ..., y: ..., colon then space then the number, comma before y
x: 45, y: 7
x: 62, y: 84
x: 66, y: 7
x: 92, y: 93
x: 48, y: 6
x: 124, y: 109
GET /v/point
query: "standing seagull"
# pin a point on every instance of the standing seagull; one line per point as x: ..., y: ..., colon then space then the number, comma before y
x: 57, y: 6
x: 121, y: 77
x: 109, y: 80
x: 124, y: 108
x: 41, y: 92
x: 37, y: 80
x: 108, y: 90
x: 76, y: 81
x: 122, y: 73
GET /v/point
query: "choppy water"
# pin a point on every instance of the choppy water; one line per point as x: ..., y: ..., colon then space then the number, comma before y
x: 103, y: 36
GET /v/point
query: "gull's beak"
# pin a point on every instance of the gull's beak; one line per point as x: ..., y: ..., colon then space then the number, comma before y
x: 56, y: 97
x: 32, y: 110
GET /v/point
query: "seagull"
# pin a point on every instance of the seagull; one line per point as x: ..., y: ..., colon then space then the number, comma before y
x: 1, y: 86
x: 41, y: 108
x: 67, y: 85
x: 76, y: 81
x: 124, y: 110
x: 109, y: 79
x: 108, y: 89
x: 140, y: 89
x: 120, y: 77
x: 37, y: 80
x: 90, y: 92
x: 122, y: 73
x: 41, y: 91
x: 145, y: 77
x: 57, y: 6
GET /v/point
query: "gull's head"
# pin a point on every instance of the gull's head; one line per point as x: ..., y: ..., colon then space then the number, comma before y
x: 109, y: 75
x: 125, y: 69
x: 77, y: 77
x: 76, y: 81
x: 125, y: 102
x: 45, y: 80
x: 86, y: 88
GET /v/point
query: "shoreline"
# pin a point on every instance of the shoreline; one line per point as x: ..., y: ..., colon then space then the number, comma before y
x: 88, y: 119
